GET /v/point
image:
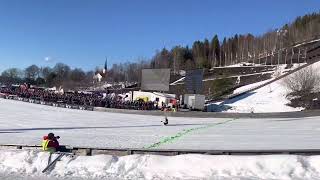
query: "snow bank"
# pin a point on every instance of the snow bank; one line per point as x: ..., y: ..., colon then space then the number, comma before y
x: 192, y: 166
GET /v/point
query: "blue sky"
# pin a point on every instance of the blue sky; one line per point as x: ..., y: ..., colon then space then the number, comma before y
x: 82, y: 33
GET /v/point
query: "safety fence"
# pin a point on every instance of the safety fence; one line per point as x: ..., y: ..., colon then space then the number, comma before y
x: 87, y: 151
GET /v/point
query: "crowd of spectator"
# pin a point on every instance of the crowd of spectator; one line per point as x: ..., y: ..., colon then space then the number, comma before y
x: 93, y: 99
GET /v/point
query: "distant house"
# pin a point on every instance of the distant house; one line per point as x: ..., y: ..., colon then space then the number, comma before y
x: 97, y: 77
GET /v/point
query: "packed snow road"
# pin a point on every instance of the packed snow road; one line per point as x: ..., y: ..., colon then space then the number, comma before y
x: 25, y: 123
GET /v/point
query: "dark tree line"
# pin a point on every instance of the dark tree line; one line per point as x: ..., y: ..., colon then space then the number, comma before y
x: 239, y: 48
x: 229, y: 51
x: 60, y: 75
x: 127, y: 72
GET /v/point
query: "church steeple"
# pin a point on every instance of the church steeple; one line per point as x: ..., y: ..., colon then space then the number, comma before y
x: 105, y: 66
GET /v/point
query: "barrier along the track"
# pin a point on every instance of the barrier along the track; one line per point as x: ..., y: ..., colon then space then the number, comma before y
x: 58, y: 104
x: 87, y: 151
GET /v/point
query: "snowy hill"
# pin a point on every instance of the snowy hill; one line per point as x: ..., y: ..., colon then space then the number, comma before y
x: 270, y: 98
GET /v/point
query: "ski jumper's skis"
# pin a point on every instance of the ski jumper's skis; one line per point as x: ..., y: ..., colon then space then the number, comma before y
x: 53, y: 162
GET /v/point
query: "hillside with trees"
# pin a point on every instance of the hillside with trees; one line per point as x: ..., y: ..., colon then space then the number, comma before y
x: 239, y: 48
x: 208, y: 53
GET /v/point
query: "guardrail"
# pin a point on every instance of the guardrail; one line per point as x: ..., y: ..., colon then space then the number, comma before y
x: 87, y: 151
x: 55, y: 104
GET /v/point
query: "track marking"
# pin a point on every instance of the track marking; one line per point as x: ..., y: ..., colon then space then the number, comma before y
x: 173, y: 138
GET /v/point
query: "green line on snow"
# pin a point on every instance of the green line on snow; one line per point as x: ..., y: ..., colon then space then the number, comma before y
x: 173, y: 138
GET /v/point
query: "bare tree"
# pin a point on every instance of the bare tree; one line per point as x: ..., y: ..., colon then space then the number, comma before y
x: 303, y: 82
x: 12, y: 75
x: 32, y: 72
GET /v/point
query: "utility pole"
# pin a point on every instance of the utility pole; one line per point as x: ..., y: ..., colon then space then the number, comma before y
x: 292, y: 53
x: 220, y: 57
x: 305, y: 55
x: 299, y: 56
x: 285, y: 59
x: 278, y: 57
x: 174, y: 64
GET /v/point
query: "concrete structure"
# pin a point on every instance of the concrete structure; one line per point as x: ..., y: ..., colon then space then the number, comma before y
x: 194, y: 101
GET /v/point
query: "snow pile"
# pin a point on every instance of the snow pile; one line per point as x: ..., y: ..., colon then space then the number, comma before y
x: 190, y: 166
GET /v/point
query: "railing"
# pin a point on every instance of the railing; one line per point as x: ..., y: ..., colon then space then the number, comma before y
x: 55, y: 104
x: 87, y: 151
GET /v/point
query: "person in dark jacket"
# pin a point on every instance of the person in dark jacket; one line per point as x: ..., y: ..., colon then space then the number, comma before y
x: 50, y: 143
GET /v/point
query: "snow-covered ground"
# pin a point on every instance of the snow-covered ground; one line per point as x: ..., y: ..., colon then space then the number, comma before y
x: 27, y: 164
x: 270, y: 98
x: 26, y: 123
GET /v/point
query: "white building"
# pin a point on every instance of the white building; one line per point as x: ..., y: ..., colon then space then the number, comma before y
x: 97, y: 77
x: 154, y: 96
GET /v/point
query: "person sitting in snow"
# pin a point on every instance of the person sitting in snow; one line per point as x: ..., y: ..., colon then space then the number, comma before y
x: 50, y: 143
x: 165, y: 122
